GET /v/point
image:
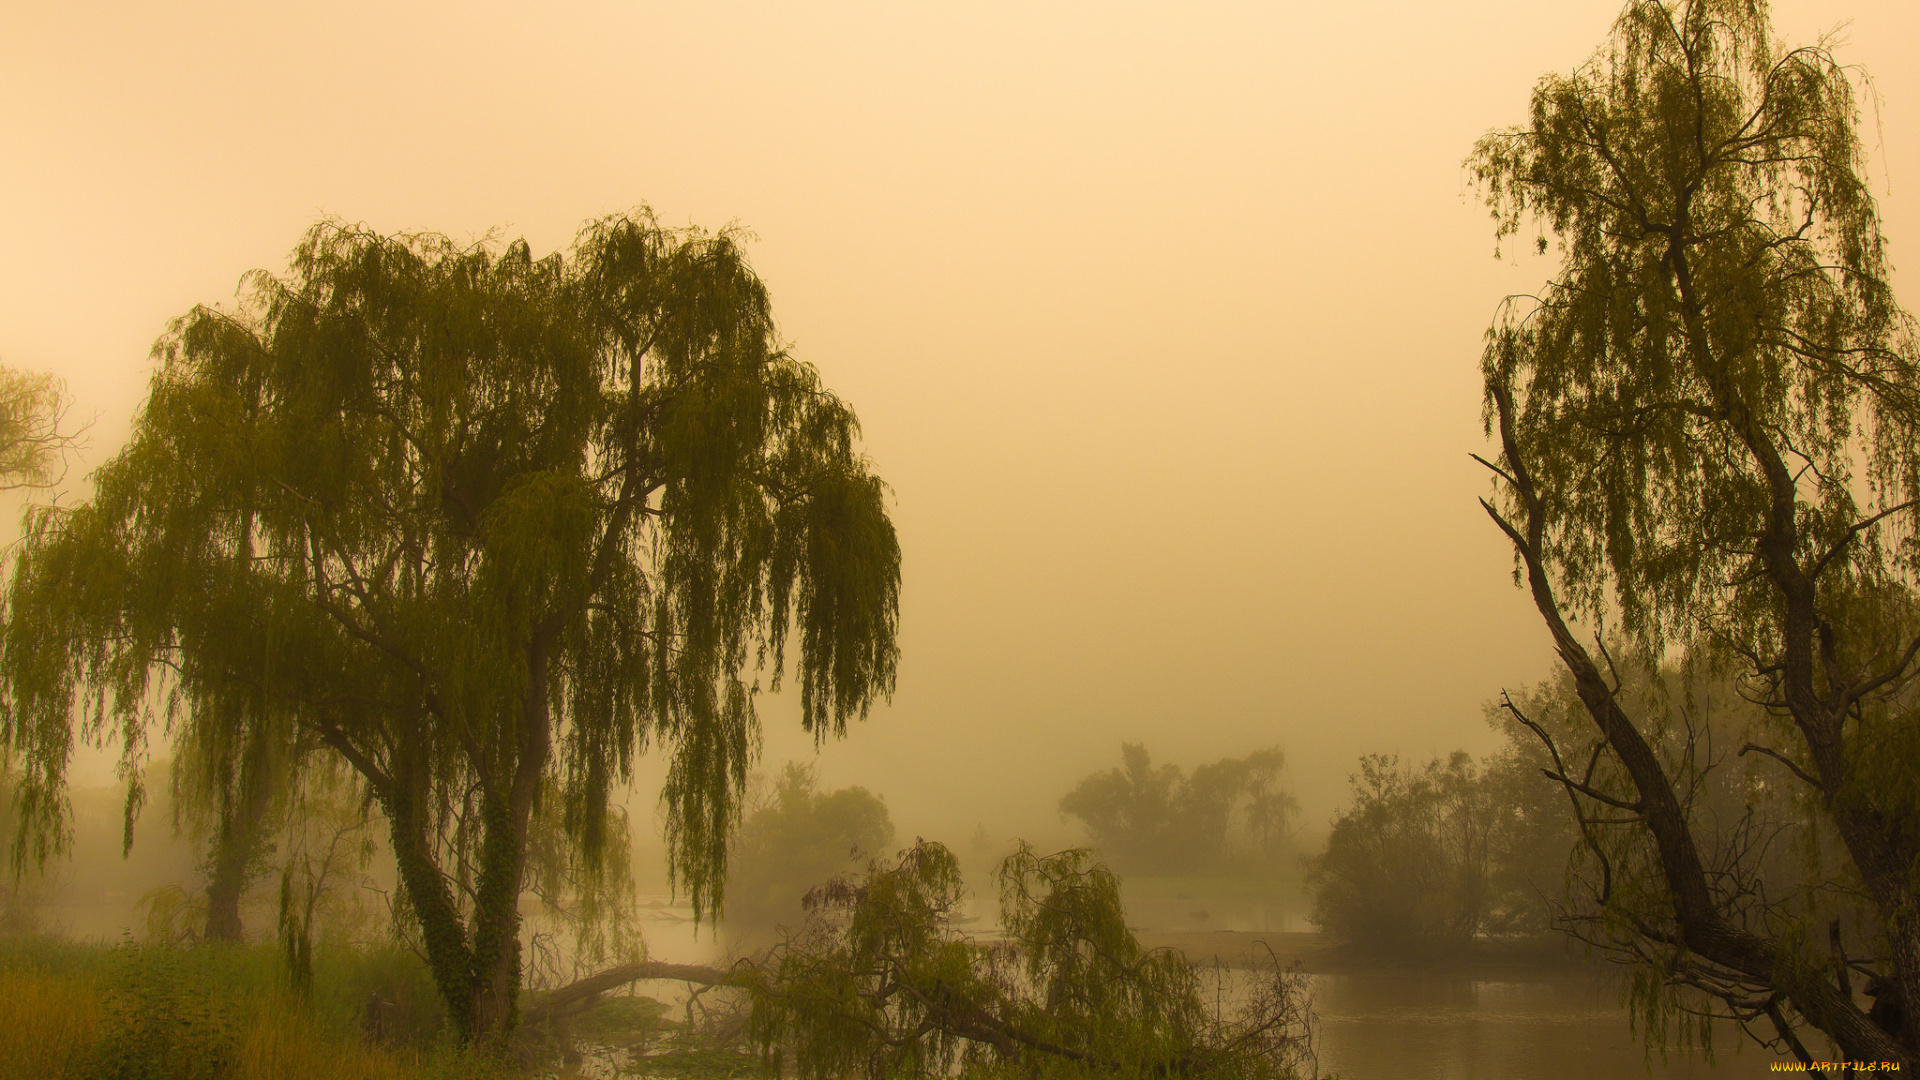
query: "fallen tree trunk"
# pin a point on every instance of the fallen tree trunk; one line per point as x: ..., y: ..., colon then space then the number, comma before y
x: 581, y: 994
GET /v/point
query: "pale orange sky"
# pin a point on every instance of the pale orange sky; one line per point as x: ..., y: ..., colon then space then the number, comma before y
x: 1163, y: 320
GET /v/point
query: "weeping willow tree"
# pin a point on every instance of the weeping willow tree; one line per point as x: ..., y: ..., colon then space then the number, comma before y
x: 484, y: 527
x: 879, y: 983
x: 1709, y: 433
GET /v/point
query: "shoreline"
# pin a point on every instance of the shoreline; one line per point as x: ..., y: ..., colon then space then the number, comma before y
x: 1536, y: 958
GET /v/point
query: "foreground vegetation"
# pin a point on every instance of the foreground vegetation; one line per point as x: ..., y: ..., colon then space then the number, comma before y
x: 217, y: 1011
x: 877, y: 981
x: 222, y: 1011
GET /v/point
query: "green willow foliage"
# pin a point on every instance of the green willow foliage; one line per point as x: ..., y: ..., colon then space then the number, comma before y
x: 879, y: 984
x: 1710, y: 442
x: 485, y: 527
x: 1724, y: 284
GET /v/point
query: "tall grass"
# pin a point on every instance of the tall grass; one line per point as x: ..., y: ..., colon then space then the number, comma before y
x: 48, y: 1023
x: 89, y: 1012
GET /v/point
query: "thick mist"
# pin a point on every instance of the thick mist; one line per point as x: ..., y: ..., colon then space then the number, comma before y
x: 1163, y: 325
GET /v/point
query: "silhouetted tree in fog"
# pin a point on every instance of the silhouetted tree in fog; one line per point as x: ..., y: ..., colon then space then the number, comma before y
x: 1160, y: 820
x: 798, y: 839
x: 485, y: 527
x: 1439, y: 855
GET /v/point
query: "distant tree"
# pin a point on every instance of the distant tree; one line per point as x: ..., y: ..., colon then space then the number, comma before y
x: 1151, y: 819
x: 328, y: 837
x: 800, y: 838
x: 1436, y: 856
x: 234, y: 799
x: 1532, y: 844
x: 1128, y: 812
x: 485, y: 527
x: 22, y: 898
x: 32, y: 446
x: 1235, y: 799
x: 1709, y: 444
x: 32, y: 450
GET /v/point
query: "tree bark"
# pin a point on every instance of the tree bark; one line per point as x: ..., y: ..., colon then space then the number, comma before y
x: 580, y: 995
x: 442, y: 931
x: 236, y: 842
x: 508, y: 822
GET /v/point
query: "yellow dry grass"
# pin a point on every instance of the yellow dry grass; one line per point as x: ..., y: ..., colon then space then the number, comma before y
x: 47, y: 1024
x: 278, y: 1043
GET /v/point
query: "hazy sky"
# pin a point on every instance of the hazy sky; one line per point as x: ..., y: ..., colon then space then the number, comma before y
x: 1163, y: 320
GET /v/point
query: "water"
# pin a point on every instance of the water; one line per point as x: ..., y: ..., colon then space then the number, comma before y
x: 1390, y: 1025
x: 1184, y: 914
x: 1385, y: 1027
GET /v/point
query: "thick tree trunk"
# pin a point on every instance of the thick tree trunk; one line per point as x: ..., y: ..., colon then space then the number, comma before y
x: 494, y: 987
x: 442, y: 931
x: 227, y: 882
x: 231, y: 855
x: 476, y: 962
x: 509, y: 819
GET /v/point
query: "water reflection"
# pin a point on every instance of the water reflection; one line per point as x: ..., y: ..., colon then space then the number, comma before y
x: 1181, y: 914
x: 1372, y: 1026
x: 1375, y: 1027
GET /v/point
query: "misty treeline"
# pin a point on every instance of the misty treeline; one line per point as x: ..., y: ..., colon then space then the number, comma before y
x: 1229, y: 815
x: 1440, y: 855
x: 792, y: 837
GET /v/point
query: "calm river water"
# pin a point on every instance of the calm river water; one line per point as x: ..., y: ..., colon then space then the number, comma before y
x: 1399, y: 1026
x: 1387, y: 1027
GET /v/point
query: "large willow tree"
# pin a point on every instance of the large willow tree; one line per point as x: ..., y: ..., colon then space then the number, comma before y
x: 486, y: 527
x: 1709, y: 431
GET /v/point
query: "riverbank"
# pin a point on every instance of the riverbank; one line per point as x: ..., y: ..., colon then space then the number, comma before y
x: 1541, y: 956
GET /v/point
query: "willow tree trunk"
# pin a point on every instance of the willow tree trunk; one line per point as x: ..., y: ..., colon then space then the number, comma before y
x: 475, y: 955
x: 232, y: 859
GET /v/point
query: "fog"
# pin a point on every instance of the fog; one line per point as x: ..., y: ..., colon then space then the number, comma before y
x: 1162, y: 321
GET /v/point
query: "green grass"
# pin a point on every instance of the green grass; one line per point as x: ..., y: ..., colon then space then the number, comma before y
x: 72, y: 1011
